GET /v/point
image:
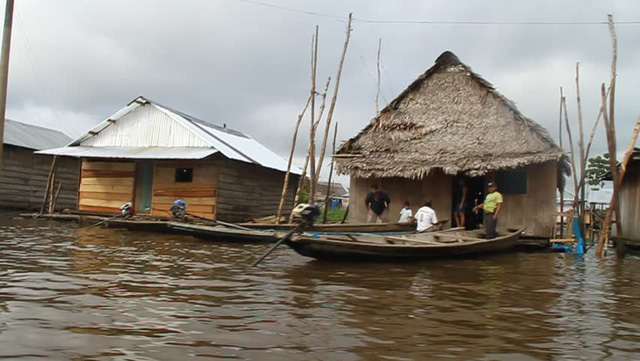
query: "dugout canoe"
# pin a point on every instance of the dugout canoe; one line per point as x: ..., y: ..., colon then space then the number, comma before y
x: 442, y: 244
x: 343, y: 227
x: 222, y: 233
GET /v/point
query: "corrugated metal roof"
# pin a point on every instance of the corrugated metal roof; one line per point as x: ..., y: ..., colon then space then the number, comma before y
x: 33, y: 136
x: 158, y: 129
x: 133, y: 152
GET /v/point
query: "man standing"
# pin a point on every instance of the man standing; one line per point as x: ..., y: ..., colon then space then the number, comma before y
x: 377, y: 203
x: 426, y: 217
x: 492, y: 206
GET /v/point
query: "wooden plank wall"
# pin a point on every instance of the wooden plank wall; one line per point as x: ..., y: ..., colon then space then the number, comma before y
x: 106, y: 185
x: 24, y: 179
x: 200, y: 194
x: 630, y: 204
x: 247, y: 191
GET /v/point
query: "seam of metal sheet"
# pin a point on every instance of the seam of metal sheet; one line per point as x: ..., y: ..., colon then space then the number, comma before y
x: 132, y: 152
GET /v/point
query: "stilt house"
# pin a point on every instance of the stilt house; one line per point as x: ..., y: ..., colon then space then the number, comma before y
x: 451, y: 124
x: 629, y: 199
x: 24, y: 174
x: 151, y: 155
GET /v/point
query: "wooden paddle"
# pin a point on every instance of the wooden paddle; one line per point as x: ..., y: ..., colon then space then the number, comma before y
x: 284, y: 238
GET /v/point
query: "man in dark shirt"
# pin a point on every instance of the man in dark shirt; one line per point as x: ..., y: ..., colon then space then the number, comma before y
x: 377, y: 203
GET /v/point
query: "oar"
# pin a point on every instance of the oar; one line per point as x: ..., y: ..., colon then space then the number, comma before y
x: 284, y: 238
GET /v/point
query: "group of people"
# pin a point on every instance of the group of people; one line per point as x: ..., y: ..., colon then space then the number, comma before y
x: 378, y: 201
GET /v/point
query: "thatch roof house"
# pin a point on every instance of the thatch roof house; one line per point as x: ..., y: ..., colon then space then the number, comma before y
x: 150, y: 154
x: 24, y: 174
x: 451, y: 122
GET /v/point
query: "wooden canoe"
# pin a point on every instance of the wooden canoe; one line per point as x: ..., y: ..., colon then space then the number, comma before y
x: 221, y: 233
x: 450, y: 243
x: 343, y: 227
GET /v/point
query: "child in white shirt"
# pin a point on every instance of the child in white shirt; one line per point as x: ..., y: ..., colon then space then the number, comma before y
x: 406, y: 213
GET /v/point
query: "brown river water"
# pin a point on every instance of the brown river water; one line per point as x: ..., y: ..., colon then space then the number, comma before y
x: 70, y: 293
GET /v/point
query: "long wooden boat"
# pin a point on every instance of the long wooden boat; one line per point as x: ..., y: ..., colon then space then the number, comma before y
x: 340, y: 227
x: 450, y: 243
x: 222, y: 233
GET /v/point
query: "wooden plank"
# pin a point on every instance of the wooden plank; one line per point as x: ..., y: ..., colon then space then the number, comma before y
x: 184, y: 186
x: 173, y: 193
x: 99, y: 209
x: 103, y: 202
x: 190, y: 208
x: 108, y: 181
x: 90, y: 173
x: 123, y: 197
x: 190, y: 200
x: 106, y: 189
x: 122, y: 166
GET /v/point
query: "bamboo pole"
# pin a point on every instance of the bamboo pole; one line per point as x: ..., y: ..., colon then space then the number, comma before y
x: 327, y: 198
x: 293, y: 148
x: 46, y: 190
x: 573, y: 158
x: 604, y: 233
x: 312, y: 134
x: 378, y: 87
x: 593, y: 131
x: 332, y: 107
x: 581, y: 146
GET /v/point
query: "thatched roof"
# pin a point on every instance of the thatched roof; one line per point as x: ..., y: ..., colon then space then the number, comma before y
x: 450, y: 119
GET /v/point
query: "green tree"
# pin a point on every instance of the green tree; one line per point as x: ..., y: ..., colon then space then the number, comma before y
x: 597, y: 168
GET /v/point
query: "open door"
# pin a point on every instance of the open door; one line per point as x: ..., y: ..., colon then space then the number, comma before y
x: 475, y: 196
x: 144, y: 186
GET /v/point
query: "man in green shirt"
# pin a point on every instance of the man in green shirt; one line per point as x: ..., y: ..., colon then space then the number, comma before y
x: 492, y: 206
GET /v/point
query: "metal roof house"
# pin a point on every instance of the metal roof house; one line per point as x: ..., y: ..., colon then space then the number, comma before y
x: 24, y: 174
x: 150, y: 154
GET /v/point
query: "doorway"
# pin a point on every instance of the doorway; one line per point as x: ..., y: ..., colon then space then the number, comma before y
x: 144, y: 186
x: 475, y: 195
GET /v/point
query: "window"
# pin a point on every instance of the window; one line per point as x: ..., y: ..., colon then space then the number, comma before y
x: 184, y: 174
x: 512, y: 181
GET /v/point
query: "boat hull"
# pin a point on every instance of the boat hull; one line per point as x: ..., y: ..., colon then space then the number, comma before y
x: 328, y: 249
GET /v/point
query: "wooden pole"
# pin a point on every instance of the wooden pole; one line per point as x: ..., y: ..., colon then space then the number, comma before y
x: 560, y: 143
x: 606, y: 226
x: 314, y: 176
x: 301, y: 183
x: 378, y: 87
x: 4, y: 70
x: 573, y: 158
x: 327, y: 198
x: 581, y: 146
x: 332, y: 107
x: 46, y: 190
x: 55, y: 198
x: 593, y: 132
x: 52, y: 188
x: 293, y: 148
x: 312, y: 134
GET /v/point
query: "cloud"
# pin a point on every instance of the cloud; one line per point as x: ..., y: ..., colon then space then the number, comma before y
x: 76, y: 62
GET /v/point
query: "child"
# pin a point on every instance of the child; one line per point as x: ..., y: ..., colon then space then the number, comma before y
x: 405, y: 213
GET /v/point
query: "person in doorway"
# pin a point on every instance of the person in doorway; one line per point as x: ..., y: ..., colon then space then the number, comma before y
x: 377, y: 203
x: 492, y: 207
x: 426, y: 217
x: 460, y: 203
x: 405, y: 213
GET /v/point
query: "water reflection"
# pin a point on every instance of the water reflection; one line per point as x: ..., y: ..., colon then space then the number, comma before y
x: 103, y: 294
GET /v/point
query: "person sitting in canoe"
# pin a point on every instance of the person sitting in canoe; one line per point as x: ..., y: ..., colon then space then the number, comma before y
x: 426, y: 217
x: 406, y: 215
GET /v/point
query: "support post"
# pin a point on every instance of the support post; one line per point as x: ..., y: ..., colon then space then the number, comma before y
x: 4, y: 70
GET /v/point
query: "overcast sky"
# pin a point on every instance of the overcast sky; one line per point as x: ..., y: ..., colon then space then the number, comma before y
x: 76, y: 62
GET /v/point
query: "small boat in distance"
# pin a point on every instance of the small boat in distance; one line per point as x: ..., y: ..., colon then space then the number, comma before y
x: 450, y: 243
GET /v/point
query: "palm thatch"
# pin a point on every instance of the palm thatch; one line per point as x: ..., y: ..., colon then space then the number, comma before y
x: 450, y: 119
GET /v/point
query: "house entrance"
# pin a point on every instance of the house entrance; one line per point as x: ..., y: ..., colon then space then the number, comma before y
x: 144, y: 185
x: 475, y: 195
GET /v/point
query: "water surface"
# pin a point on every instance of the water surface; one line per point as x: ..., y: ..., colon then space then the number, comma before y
x: 71, y: 293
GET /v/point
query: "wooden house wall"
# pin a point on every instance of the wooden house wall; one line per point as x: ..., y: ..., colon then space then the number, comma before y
x: 200, y: 194
x: 106, y: 185
x: 436, y: 186
x: 24, y: 179
x: 533, y: 210
x: 630, y: 204
x: 247, y: 191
